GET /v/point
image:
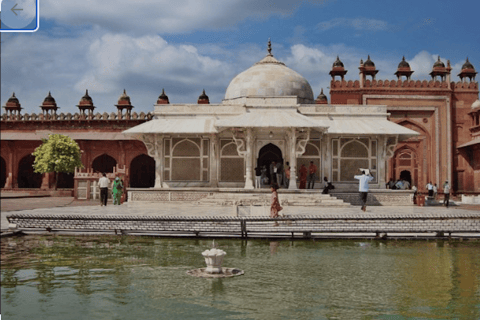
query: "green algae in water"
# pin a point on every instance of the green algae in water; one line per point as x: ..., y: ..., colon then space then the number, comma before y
x: 109, y: 277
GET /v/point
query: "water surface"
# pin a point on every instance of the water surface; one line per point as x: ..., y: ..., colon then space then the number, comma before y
x: 106, y: 277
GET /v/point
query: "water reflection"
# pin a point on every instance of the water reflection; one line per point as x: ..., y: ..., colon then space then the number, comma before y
x: 123, y: 277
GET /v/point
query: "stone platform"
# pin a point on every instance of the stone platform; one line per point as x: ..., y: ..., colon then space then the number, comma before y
x: 261, y: 197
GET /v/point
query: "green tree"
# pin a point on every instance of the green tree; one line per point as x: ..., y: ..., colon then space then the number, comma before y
x: 58, y: 153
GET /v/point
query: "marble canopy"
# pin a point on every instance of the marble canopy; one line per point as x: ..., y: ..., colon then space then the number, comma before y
x: 219, y: 145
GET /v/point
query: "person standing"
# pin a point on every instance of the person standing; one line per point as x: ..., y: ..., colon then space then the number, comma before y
x: 258, y: 177
x: 446, y: 194
x: 364, y: 179
x: 415, y: 190
x: 390, y: 184
x: 286, y: 175
x: 312, y: 169
x: 273, y: 172
x: 279, y: 173
x: 435, y: 191
x: 303, y: 177
x: 274, y: 204
x: 429, y: 187
x: 117, y: 190
x: 264, y: 177
x: 103, y: 184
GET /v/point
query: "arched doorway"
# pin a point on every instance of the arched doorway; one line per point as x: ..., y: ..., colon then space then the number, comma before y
x: 405, y: 166
x: 103, y: 163
x: 142, y: 172
x: 27, y: 178
x: 267, y: 155
x: 407, y: 176
x: 3, y: 172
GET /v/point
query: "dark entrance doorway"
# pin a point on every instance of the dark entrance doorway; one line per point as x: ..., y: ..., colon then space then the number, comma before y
x: 3, y: 172
x: 104, y: 163
x: 406, y: 175
x: 142, y: 172
x: 27, y: 178
x: 65, y: 180
x: 267, y: 155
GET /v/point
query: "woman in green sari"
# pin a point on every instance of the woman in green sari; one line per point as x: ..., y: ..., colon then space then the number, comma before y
x: 117, y: 190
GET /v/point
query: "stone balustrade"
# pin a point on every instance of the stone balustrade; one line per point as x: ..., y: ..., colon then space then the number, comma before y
x: 76, y: 116
x: 440, y: 224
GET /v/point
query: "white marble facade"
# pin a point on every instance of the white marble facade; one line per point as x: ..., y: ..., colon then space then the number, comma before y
x: 268, y: 113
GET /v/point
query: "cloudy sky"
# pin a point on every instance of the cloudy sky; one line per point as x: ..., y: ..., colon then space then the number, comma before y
x: 185, y: 46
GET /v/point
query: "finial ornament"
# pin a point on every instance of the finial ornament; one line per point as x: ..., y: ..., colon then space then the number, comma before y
x: 269, y: 49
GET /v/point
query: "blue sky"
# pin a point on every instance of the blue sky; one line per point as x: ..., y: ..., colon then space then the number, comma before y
x: 185, y: 46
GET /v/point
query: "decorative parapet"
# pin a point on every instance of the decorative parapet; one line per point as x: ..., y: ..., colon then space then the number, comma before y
x: 76, y: 117
x: 413, y: 84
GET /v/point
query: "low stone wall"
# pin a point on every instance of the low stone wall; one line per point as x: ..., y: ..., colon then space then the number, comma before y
x: 304, y: 197
x: 327, y: 223
x: 378, y: 197
x: 470, y: 199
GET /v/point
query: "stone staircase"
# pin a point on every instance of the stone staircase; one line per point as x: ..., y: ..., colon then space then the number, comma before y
x: 263, y: 199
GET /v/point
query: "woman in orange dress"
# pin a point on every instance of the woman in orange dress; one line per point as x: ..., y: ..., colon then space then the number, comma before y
x: 303, y: 177
x: 275, y: 204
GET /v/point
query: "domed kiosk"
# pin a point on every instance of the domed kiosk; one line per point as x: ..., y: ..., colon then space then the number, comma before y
x: 269, y: 114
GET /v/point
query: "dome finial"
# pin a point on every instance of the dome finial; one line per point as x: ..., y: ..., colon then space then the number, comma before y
x: 269, y: 49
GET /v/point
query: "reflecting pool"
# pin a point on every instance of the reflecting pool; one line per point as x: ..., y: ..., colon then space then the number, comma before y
x: 107, y: 277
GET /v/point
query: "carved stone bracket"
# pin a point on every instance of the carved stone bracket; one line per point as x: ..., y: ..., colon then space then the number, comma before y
x: 389, y: 147
x: 240, y: 142
x: 302, y: 141
x: 152, y: 143
x: 149, y: 141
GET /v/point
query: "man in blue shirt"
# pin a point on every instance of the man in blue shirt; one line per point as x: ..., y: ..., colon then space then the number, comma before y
x: 363, y: 188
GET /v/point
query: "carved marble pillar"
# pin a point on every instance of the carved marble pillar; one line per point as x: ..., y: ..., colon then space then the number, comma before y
x: 214, y: 160
x: 292, y: 139
x: 382, y: 163
x: 297, y: 150
x: 154, y: 145
x: 249, y: 162
x: 388, y: 151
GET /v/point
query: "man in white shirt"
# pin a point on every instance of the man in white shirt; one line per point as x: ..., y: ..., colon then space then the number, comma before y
x: 429, y: 187
x: 103, y: 183
x: 446, y: 193
x: 363, y: 188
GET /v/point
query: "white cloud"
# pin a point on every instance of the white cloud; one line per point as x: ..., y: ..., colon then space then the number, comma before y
x: 422, y: 64
x: 106, y: 63
x: 360, y: 24
x: 146, y: 16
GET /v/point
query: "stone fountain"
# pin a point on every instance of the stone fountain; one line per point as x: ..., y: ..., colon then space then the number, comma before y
x: 214, y: 269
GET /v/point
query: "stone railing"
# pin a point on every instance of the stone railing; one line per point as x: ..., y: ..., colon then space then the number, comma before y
x: 86, y: 182
x: 307, y: 226
x: 76, y: 117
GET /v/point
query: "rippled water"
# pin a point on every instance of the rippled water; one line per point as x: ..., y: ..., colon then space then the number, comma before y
x: 145, y: 278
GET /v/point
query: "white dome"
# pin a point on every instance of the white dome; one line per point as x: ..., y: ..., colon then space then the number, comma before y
x: 269, y: 78
x: 476, y: 104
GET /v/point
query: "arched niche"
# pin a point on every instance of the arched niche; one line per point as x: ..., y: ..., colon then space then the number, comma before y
x: 3, y: 172
x: 26, y: 177
x: 142, y: 172
x: 104, y: 163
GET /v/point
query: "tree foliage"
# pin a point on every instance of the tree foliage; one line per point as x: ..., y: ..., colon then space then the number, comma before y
x: 58, y: 153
